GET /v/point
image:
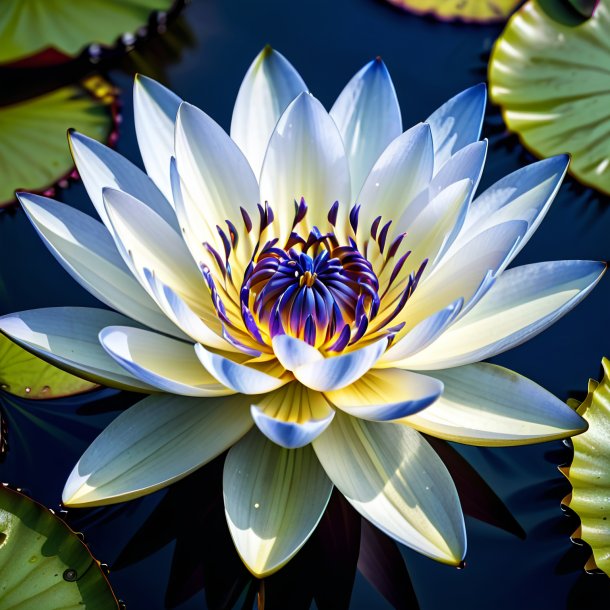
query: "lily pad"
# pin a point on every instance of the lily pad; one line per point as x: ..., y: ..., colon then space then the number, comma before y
x: 469, y: 11
x: 43, y: 563
x: 34, y: 155
x: 552, y: 81
x: 25, y: 375
x: 52, y: 31
x: 589, y: 473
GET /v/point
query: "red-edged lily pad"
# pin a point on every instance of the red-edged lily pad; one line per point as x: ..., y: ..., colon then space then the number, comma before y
x: 469, y: 11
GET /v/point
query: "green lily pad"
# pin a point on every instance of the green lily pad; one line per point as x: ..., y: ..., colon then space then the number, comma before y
x: 61, y: 29
x: 25, y: 375
x: 552, y: 81
x: 43, y: 564
x: 470, y: 11
x: 589, y: 473
x: 34, y: 154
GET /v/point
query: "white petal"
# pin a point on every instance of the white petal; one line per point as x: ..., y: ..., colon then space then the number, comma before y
x: 204, y: 328
x: 523, y: 195
x: 274, y: 498
x: 101, y: 167
x: 158, y: 441
x: 215, y: 177
x: 402, y: 171
x: 270, y: 84
x: 421, y: 336
x: 462, y: 274
x: 367, y: 114
x: 68, y: 338
x: 149, y: 243
x: 292, y: 352
x: 338, y: 372
x: 523, y: 302
x: 166, y: 364
x: 484, y: 404
x: 457, y: 123
x: 239, y: 377
x: 293, y: 415
x: 86, y: 250
x: 305, y: 158
x: 155, y: 108
x: 393, y: 478
x: 387, y: 395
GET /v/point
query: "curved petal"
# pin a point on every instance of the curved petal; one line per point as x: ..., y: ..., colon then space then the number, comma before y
x: 274, y: 498
x: 386, y: 395
x: 139, y: 234
x: 270, y: 84
x: 457, y: 123
x: 488, y: 405
x: 155, y: 108
x: 158, y: 441
x: 167, y: 364
x: 292, y: 416
x: 305, y: 158
x: 525, y: 195
x: 340, y: 371
x: 101, y: 167
x: 239, y: 377
x: 523, y: 302
x: 403, y: 170
x: 393, y: 478
x: 215, y: 177
x: 86, y: 250
x: 204, y: 328
x: 68, y: 338
x: 292, y: 352
x: 462, y: 274
x: 421, y: 336
x: 367, y: 114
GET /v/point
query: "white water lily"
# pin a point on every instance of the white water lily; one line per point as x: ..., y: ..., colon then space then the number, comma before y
x: 310, y: 293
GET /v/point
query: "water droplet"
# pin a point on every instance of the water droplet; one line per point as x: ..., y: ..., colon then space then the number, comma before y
x: 33, y: 559
x: 70, y: 575
x: 45, y: 389
x: 461, y: 565
x: 28, y: 390
x: 257, y: 505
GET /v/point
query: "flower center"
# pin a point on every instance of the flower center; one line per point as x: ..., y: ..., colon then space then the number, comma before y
x: 313, y: 294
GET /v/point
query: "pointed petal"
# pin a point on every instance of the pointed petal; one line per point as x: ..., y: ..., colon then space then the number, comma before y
x: 526, y: 195
x: 523, y: 302
x: 101, y: 167
x: 274, y: 498
x: 155, y: 108
x: 488, y: 405
x: 457, y: 123
x: 393, y: 478
x: 239, y: 377
x: 166, y: 364
x: 292, y: 352
x: 138, y: 234
x: 270, y: 84
x: 425, y: 333
x: 215, y: 177
x: 340, y: 371
x: 85, y: 249
x: 305, y: 158
x: 384, y: 395
x: 402, y: 171
x: 462, y: 274
x: 68, y: 338
x: 158, y: 441
x: 292, y: 416
x: 367, y: 114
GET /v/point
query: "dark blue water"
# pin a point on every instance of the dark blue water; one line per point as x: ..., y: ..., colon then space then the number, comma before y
x: 203, y: 59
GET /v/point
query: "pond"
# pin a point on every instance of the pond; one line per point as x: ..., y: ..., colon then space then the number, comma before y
x: 164, y: 548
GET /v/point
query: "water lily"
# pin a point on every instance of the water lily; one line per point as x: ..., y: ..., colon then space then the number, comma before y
x: 311, y: 293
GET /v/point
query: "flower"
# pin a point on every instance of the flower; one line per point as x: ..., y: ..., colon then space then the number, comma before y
x: 276, y: 317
